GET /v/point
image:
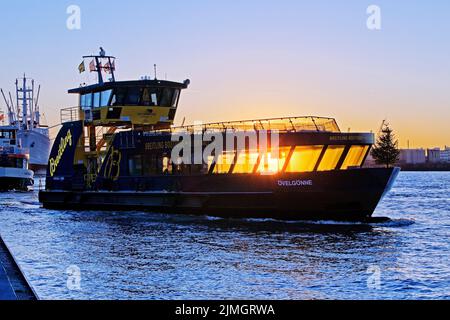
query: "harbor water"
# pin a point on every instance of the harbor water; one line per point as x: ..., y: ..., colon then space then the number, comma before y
x: 142, y: 255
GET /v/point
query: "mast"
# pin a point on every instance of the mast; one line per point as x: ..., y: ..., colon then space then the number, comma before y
x: 99, y: 61
x: 10, y: 108
x: 24, y: 104
x: 13, y: 120
x: 36, y: 107
x: 26, y: 116
x: 19, y: 122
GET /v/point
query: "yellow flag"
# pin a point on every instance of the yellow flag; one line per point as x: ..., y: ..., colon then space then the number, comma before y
x: 82, y: 67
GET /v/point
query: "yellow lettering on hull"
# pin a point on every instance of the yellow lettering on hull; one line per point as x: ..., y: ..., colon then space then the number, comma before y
x: 54, y: 162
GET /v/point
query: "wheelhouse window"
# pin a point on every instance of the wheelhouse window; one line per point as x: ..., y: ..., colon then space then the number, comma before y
x: 105, y: 97
x: 133, y: 97
x: 86, y: 101
x: 154, y: 99
x: 150, y: 97
x: 143, y: 96
x: 167, y: 97
x: 331, y: 158
x: 119, y: 97
x: 146, y: 97
x: 96, y: 102
x: 355, y: 157
x: 176, y: 97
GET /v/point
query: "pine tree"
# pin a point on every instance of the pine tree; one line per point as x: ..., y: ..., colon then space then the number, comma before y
x: 385, y: 151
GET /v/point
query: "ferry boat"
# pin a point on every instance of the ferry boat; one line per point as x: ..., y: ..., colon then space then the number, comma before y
x: 14, y: 172
x: 24, y: 114
x: 116, y: 150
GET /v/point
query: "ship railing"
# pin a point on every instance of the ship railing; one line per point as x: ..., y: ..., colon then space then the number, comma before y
x: 282, y: 125
x: 70, y: 114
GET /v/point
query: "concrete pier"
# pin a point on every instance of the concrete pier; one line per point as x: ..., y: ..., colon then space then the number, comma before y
x: 13, y: 284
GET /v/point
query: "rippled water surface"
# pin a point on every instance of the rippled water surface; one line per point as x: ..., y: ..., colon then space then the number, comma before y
x: 141, y: 255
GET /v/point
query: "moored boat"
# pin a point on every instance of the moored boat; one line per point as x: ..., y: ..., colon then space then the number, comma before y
x: 14, y: 172
x: 24, y: 114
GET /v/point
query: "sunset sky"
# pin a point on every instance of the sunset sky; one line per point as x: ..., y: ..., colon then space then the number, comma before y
x: 251, y: 59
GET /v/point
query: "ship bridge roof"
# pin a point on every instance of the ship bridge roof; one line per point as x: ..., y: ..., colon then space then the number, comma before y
x: 134, y: 83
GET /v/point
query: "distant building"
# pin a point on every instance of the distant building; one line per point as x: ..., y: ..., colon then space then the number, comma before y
x: 434, y: 155
x: 445, y: 155
x: 412, y: 156
x: 370, y: 162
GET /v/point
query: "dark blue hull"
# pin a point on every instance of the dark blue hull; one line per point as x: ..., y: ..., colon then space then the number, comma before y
x: 19, y: 184
x: 350, y: 195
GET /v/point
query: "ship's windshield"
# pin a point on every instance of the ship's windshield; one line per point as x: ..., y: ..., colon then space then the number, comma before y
x: 95, y: 100
x: 7, y: 134
x: 8, y: 162
x: 148, y: 97
x: 134, y: 96
x: 105, y: 97
x: 86, y: 101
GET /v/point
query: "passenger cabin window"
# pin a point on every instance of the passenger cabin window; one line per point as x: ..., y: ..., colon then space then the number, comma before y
x: 331, y: 158
x: 304, y: 159
x: 355, y: 157
x: 246, y: 162
x: 224, y: 162
x: 135, y: 166
x: 272, y: 163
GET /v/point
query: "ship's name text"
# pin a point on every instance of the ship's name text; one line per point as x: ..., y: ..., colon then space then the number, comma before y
x: 295, y: 183
x: 54, y: 162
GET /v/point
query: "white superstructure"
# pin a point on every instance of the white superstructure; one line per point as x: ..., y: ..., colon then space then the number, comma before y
x: 14, y: 172
x: 24, y: 114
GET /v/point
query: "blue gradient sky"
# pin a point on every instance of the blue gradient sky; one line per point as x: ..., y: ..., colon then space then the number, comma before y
x: 253, y: 58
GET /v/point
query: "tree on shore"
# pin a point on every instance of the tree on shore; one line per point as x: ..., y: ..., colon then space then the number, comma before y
x: 386, y: 152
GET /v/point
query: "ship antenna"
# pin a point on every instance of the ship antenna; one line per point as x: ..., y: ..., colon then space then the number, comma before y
x: 36, y: 107
x: 14, y: 112
x: 4, y: 98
